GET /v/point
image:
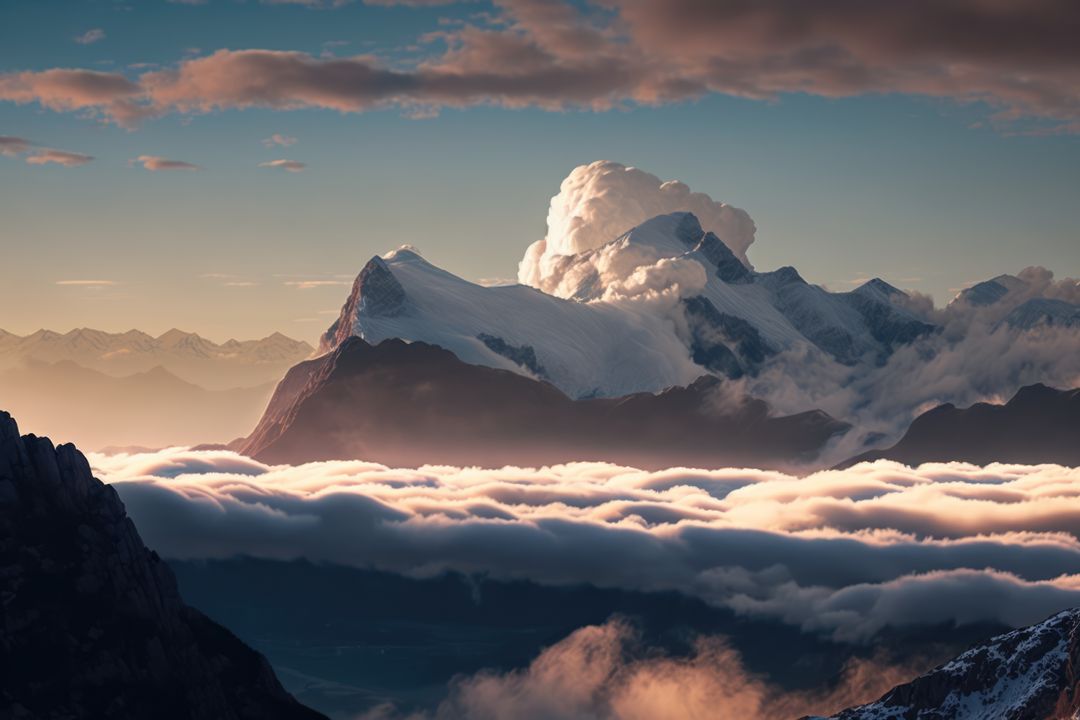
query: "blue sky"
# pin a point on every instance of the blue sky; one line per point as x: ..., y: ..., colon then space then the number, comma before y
x: 926, y: 192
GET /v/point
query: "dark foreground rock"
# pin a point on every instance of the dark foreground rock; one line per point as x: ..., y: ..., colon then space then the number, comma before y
x: 91, y: 623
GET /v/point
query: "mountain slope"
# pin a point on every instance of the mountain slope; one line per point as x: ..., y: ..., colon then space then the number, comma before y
x: 153, y: 408
x: 1038, y: 425
x: 93, y: 625
x: 1028, y: 674
x: 656, y: 307
x: 193, y: 358
x: 408, y: 404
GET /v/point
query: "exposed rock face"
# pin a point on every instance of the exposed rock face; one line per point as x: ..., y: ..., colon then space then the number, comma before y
x: 714, y: 335
x: 1028, y: 674
x: 523, y: 355
x: 409, y: 404
x: 1038, y: 425
x: 92, y: 624
x: 376, y: 292
x: 728, y: 267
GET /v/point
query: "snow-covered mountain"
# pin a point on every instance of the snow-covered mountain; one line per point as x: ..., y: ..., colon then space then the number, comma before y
x: 1025, y: 302
x: 657, y: 307
x: 1027, y: 674
x: 187, y: 355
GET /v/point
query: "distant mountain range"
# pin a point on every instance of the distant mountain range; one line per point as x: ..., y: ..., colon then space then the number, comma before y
x: 93, y: 625
x: 1038, y: 425
x: 1028, y: 674
x: 231, y: 364
x: 408, y: 404
x: 153, y: 408
x: 104, y: 389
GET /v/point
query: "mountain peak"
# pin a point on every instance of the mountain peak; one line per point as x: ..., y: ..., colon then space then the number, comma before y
x: 879, y: 287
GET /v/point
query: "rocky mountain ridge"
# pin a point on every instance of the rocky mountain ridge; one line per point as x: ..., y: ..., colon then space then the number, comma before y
x: 93, y: 624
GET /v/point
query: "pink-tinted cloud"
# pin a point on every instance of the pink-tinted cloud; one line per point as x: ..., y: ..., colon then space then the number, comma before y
x: 155, y: 163
x: 46, y: 156
x: 70, y: 90
x: 1019, y: 58
x: 10, y: 145
x: 293, y: 166
x: 279, y: 139
x: 36, y: 155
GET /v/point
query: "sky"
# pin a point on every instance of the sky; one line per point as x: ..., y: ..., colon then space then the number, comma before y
x: 228, y: 167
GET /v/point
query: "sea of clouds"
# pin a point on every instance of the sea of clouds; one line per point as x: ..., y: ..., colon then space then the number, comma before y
x: 843, y: 554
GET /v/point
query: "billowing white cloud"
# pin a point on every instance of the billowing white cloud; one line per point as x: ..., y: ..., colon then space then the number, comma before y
x: 600, y: 201
x: 841, y: 553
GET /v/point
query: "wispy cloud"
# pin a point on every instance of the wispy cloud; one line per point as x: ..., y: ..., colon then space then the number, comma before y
x: 90, y: 36
x: 279, y: 139
x: 310, y: 284
x: 288, y: 165
x: 88, y: 283
x: 155, y: 163
x: 12, y: 146
x: 47, y: 156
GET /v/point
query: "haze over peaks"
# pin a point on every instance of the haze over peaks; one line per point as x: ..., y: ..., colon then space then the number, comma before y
x: 188, y: 355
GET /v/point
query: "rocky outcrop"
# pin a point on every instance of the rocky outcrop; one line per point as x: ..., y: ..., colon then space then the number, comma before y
x: 409, y: 404
x: 1038, y: 425
x: 1028, y: 674
x: 376, y: 292
x: 92, y: 624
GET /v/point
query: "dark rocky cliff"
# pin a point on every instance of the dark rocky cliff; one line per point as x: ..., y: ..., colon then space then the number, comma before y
x: 91, y: 622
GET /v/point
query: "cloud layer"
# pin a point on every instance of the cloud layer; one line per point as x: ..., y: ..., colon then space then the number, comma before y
x: 1019, y: 59
x: 840, y: 553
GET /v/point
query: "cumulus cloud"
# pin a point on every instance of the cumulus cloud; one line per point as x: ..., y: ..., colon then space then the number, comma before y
x: 1019, y: 60
x: 600, y: 201
x: 155, y: 163
x: 840, y: 553
x: 293, y: 166
x: 606, y: 672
